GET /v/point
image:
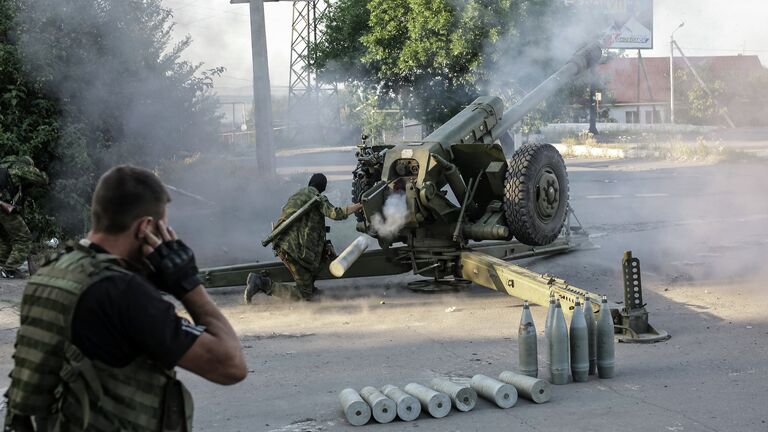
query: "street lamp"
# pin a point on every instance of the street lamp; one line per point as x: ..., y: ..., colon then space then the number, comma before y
x: 672, y: 73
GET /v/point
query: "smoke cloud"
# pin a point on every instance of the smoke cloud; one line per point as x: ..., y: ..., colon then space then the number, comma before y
x: 395, y: 215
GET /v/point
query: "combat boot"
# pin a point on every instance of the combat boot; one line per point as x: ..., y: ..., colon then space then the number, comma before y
x: 255, y: 283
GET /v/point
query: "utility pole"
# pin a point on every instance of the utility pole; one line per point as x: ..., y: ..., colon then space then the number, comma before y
x: 262, y: 96
x: 672, y: 73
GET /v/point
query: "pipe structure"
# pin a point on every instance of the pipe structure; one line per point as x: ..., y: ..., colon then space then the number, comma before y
x: 383, y: 408
x: 502, y: 394
x: 534, y: 389
x: 355, y: 409
x: 464, y: 398
x: 438, y: 405
x: 344, y: 261
x: 408, y: 407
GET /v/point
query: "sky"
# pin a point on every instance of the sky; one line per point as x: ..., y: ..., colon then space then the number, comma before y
x: 221, y: 34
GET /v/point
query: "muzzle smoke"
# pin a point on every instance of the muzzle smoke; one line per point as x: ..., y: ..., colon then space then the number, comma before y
x: 395, y: 216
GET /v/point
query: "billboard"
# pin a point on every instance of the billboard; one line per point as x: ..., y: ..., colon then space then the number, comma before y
x: 628, y: 23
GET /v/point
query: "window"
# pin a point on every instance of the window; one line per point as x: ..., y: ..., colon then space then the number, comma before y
x: 632, y: 117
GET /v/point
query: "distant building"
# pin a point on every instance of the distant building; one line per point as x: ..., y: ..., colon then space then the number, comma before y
x: 745, y: 106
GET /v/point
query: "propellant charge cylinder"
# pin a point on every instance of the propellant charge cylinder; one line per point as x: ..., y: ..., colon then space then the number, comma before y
x: 559, y: 366
x: 408, y: 407
x: 463, y: 397
x: 528, y: 358
x: 502, y: 394
x: 383, y: 408
x: 343, y: 262
x: 605, y: 350
x: 534, y: 389
x: 579, y: 340
x: 437, y: 404
x: 355, y: 409
x: 589, y: 317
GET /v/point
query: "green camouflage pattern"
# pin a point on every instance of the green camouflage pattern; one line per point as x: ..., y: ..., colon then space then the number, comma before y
x: 52, y: 379
x: 303, y: 285
x: 304, y: 240
x: 15, y: 237
x: 15, y: 241
x: 22, y: 173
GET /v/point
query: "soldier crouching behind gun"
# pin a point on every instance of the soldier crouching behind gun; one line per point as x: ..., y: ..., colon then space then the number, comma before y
x: 98, y: 345
x: 301, y: 245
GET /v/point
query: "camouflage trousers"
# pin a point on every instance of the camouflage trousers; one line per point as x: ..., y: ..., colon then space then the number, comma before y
x: 303, y: 285
x: 15, y: 241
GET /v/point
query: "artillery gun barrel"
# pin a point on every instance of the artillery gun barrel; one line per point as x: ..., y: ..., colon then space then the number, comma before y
x: 583, y: 60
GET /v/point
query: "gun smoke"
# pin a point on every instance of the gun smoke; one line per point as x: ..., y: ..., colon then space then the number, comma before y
x: 395, y: 215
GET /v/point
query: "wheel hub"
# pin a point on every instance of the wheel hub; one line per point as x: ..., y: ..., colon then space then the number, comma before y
x: 547, y: 194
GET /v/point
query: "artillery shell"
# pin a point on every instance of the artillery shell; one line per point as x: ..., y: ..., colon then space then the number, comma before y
x: 589, y: 317
x: 548, y: 327
x: 559, y: 366
x: 605, y: 349
x: 528, y: 359
x: 579, y: 340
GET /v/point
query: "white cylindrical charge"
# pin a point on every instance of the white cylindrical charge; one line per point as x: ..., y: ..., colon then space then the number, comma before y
x: 408, y: 407
x: 355, y: 409
x: 464, y: 398
x: 437, y: 404
x: 530, y: 388
x: 343, y: 262
x: 502, y: 394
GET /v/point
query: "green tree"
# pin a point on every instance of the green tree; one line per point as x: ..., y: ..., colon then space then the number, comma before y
x: 432, y: 57
x: 28, y: 118
x: 122, y: 92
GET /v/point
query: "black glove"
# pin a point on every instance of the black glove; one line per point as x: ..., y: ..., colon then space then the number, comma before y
x: 175, y: 268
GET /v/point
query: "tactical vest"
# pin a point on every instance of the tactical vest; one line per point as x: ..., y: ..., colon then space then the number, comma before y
x: 52, y: 379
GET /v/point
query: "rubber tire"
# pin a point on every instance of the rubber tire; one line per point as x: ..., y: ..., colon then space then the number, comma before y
x: 520, y: 194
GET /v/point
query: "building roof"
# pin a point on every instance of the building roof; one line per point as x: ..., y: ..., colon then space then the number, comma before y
x: 621, y: 75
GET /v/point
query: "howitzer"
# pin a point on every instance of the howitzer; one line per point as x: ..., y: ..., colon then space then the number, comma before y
x: 525, y: 198
x: 276, y: 231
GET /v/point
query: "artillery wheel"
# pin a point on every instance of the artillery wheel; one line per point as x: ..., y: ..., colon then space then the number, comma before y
x: 536, y: 194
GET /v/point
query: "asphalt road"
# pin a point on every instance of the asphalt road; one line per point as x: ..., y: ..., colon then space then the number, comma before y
x: 701, y: 234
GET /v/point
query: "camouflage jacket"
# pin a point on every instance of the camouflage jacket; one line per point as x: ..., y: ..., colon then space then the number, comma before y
x: 304, y: 240
x: 17, y: 173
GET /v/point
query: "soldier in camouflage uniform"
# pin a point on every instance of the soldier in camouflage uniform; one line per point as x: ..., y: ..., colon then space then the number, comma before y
x: 302, y: 246
x: 16, y: 175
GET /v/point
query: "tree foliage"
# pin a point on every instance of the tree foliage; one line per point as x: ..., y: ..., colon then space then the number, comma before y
x: 108, y: 86
x: 430, y: 58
